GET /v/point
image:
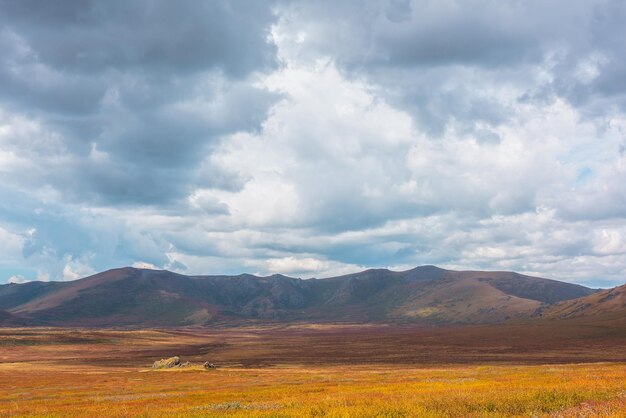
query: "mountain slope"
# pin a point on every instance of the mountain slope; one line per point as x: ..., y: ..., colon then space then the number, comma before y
x: 139, y: 297
x: 605, y: 304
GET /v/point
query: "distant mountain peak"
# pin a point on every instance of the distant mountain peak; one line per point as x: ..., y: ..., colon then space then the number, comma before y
x: 144, y: 297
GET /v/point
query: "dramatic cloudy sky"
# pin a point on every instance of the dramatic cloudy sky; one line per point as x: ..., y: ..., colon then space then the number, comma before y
x: 313, y: 138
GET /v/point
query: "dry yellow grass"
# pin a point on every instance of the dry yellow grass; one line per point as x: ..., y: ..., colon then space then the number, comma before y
x: 314, y: 371
x: 51, y: 390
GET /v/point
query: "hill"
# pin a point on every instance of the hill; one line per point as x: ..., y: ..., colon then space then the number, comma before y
x: 607, y: 304
x: 426, y: 294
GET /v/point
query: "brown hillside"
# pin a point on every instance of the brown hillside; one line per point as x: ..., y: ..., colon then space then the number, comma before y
x: 606, y: 304
x: 423, y: 295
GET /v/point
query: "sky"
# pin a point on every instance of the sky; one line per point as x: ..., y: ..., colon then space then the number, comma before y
x: 313, y: 138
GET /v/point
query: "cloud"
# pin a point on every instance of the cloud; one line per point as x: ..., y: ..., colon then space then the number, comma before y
x: 17, y: 279
x: 148, y: 35
x: 452, y: 62
x: 127, y: 96
x: 312, y: 139
x: 142, y: 265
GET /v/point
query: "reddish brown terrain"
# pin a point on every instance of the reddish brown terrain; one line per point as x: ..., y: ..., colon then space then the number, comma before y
x: 603, y: 305
x: 315, y: 344
x: 425, y: 295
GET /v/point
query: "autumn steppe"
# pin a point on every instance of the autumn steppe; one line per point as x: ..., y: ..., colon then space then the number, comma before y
x: 565, y: 369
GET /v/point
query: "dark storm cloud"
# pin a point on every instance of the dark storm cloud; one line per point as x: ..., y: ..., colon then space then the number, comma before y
x: 426, y: 54
x: 443, y: 34
x: 593, y: 73
x: 431, y: 33
x: 150, y: 85
x: 96, y: 36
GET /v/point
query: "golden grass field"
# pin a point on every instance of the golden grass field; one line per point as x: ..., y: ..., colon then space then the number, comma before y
x: 90, y: 373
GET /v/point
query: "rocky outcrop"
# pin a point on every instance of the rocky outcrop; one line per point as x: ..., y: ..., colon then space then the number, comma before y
x: 174, y: 362
x: 167, y: 363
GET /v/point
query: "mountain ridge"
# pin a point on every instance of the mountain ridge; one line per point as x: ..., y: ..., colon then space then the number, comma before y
x: 427, y: 294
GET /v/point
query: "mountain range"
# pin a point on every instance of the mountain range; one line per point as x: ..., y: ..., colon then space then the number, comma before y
x: 131, y: 297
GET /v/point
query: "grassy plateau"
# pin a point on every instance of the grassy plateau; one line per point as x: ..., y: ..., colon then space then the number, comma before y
x: 315, y: 370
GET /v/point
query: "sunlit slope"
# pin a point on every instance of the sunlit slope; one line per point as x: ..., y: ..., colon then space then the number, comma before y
x: 606, y: 304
